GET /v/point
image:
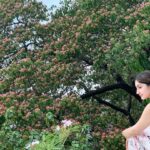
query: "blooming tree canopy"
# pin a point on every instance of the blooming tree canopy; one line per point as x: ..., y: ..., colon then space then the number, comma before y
x: 87, y: 51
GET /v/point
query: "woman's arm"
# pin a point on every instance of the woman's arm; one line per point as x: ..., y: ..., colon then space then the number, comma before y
x: 142, y: 123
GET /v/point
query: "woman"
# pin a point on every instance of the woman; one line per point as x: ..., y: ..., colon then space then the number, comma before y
x: 138, y: 136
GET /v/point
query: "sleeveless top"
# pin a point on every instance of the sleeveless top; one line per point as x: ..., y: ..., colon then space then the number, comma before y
x: 139, y: 142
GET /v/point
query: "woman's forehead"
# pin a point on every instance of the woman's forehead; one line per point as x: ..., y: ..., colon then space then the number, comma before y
x: 138, y: 83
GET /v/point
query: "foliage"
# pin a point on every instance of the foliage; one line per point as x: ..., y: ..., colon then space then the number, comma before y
x: 116, y: 142
x: 73, y: 137
x: 82, y: 47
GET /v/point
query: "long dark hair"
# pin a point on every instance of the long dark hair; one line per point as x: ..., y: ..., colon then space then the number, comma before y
x: 143, y: 77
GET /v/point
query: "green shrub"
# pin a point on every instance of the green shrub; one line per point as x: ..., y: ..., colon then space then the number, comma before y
x: 114, y: 142
x: 66, y: 138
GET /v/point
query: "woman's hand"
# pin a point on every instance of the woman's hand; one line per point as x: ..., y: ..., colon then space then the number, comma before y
x: 127, y: 132
x: 139, y: 127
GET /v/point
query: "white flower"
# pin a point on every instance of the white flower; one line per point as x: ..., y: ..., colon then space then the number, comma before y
x: 35, y: 142
x: 66, y: 123
x: 12, y: 126
x: 57, y: 128
x: 31, y: 144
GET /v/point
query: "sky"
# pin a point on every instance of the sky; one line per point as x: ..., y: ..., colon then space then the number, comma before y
x: 49, y: 3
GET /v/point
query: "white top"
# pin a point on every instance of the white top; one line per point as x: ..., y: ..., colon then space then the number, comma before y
x: 139, y: 142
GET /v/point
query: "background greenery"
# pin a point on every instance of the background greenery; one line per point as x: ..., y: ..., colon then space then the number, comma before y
x: 75, y: 63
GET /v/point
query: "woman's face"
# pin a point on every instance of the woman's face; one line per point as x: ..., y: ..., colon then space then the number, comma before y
x: 142, y: 90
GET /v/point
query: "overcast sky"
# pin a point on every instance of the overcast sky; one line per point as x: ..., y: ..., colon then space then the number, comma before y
x: 49, y: 3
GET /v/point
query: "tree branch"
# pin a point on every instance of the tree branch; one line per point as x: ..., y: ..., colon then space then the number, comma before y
x: 125, y: 112
x: 123, y: 86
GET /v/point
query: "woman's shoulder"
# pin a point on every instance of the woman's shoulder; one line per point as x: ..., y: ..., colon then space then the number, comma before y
x: 147, y: 108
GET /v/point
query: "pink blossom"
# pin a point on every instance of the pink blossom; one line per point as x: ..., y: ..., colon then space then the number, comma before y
x: 66, y: 123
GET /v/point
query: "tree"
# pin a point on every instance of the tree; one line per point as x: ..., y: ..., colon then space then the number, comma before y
x: 89, y: 46
x: 97, y: 42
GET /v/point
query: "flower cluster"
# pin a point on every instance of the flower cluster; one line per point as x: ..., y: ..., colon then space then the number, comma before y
x: 2, y: 108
